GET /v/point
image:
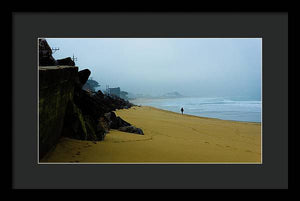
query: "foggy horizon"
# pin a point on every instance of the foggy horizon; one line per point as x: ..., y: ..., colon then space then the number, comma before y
x: 199, y: 67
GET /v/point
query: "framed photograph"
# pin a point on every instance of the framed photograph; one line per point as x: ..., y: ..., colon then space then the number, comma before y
x: 134, y: 100
x: 150, y: 100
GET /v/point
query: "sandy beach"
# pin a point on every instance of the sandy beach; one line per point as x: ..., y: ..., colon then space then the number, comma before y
x: 168, y: 138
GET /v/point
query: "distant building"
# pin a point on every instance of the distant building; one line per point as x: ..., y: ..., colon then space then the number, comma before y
x: 117, y: 92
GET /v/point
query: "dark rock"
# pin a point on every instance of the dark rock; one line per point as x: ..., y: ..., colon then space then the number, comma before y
x: 45, y: 54
x: 111, y: 116
x: 56, y: 90
x: 66, y: 109
x: 83, y: 76
x: 91, y: 129
x: 74, y: 125
x: 131, y: 129
x: 112, y: 120
x: 90, y: 85
x: 89, y: 115
x: 100, y: 131
x: 122, y: 123
x: 90, y: 105
x: 65, y: 62
x: 77, y: 125
x: 103, y: 124
x: 46, y: 58
x: 100, y: 94
x: 115, y: 122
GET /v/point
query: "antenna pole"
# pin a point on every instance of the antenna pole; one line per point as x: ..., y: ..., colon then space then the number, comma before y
x: 54, y: 49
x: 74, y: 58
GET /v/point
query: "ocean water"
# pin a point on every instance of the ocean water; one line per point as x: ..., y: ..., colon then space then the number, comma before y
x: 221, y: 108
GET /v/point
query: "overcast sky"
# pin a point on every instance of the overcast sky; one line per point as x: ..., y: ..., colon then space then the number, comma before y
x: 192, y: 66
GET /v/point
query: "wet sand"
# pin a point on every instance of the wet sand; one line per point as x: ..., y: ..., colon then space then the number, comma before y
x: 168, y: 138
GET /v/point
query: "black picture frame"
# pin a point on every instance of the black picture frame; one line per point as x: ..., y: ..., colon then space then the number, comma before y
x: 30, y: 25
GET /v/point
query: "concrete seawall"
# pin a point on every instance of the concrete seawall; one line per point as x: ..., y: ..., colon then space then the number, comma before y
x: 56, y: 89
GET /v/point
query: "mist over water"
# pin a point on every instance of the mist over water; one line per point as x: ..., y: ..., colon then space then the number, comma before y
x: 221, y: 108
x: 220, y: 77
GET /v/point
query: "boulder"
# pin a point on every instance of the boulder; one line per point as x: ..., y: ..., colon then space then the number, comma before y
x: 122, y: 123
x: 103, y: 123
x: 92, y: 132
x: 115, y: 122
x: 65, y: 62
x: 45, y: 54
x: 131, y: 129
x: 74, y: 123
x: 100, y: 94
x: 90, y: 105
x: 112, y: 120
x: 83, y: 76
x: 100, y: 131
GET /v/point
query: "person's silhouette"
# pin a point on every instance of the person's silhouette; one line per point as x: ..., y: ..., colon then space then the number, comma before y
x: 182, y: 110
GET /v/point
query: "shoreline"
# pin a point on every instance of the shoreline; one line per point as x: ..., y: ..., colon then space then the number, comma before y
x: 155, y: 108
x: 153, y: 99
x: 169, y: 138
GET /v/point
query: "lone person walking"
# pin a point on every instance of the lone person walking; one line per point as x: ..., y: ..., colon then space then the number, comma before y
x: 182, y: 110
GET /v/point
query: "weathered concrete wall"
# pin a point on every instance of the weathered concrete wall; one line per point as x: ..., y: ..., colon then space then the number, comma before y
x: 56, y: 89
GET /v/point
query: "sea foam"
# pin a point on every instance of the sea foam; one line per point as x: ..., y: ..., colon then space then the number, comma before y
x: 221, y: 108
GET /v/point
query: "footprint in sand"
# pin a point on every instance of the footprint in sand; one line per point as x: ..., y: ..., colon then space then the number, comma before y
x: 206, y: 142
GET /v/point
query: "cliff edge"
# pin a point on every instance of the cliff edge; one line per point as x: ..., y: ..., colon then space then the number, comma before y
x: 65, y: 109
x: 56, y: 90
